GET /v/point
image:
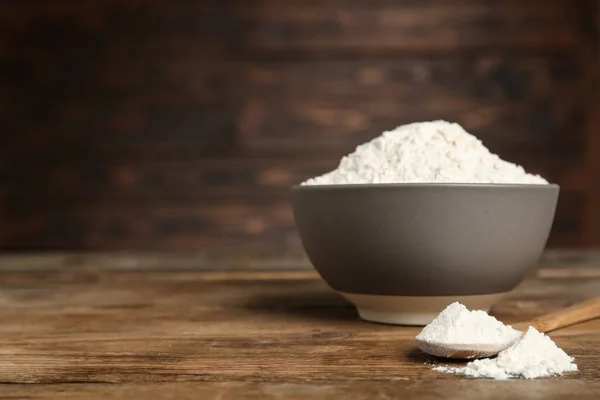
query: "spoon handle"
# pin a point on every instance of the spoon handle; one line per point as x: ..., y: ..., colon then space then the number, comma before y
x: 574, y: 314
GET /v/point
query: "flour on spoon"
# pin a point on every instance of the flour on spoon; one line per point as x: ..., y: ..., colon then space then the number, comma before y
x: 534, y: 355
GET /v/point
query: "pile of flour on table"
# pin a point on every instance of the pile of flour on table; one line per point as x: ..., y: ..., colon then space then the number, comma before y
x: 534, y: 355
x: 422, y: 152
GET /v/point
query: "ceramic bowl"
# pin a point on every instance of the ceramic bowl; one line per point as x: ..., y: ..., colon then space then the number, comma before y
x: 402, y: 252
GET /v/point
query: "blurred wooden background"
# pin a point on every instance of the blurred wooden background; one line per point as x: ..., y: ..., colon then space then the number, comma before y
x: 181, y: 124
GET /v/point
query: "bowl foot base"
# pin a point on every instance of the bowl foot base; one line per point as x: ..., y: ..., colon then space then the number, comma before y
x: 413, y: 310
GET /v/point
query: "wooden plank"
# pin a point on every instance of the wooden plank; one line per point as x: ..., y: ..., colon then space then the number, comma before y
x: 507, y: 102
x: 235, y: 177
x: 94, y: 129
x: 590, y: 52
x: 151, y: 263
x: 168, y: 83
x: 355, y: 27
x: 578, y: 259
x: 222, y: 224
x: 64, y: 224
x: 128, y: 67
x: 295, y: 25
x: 233, y: 26
x: 22, y: 265
x: 147, y: 328
x: 213, y: 177
x: 549, y: 389
x: 330, y: 125
x: 566, y: 230
x: 194, y: 24
x: 510, y: 103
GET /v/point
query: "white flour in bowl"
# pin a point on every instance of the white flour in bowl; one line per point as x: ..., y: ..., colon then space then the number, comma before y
x: 535, y: 355
x: 425, y: 152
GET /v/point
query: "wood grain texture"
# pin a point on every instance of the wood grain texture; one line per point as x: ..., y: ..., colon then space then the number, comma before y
x: 409, y: 390
x: 133, y: 326
x: 406, y: 26
x: 259, y: 224
x: 590, y: 50
x: 517, y: 105
x: 578, y: 312
x: 182, y: 124
x: 336, y: 104
x: 175, y: 224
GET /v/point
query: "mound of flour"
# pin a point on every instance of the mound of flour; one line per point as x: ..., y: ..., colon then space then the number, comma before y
x: 421, y: 152
x: 534, y: 355
x: 457, y: 325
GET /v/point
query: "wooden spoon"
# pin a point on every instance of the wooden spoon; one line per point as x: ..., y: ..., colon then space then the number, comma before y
x: 574, y: 314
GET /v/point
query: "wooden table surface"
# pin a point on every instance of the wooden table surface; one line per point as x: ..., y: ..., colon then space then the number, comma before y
x: 129, y: 326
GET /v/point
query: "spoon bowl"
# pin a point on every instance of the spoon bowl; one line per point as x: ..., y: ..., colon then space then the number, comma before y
x: 465, y: 351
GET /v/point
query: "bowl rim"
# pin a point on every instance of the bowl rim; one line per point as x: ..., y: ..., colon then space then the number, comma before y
x: 549, y: 186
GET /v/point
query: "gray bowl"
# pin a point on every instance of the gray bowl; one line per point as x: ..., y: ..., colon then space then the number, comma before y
x: 402, y: 252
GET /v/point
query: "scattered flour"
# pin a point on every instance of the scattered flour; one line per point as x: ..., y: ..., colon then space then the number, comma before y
x: 534, y: 355
x: 421, y: 152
